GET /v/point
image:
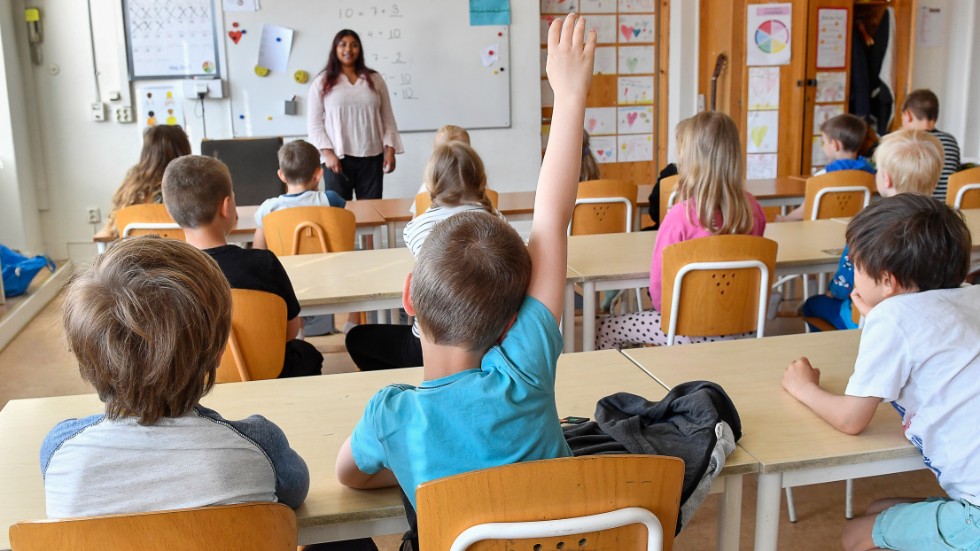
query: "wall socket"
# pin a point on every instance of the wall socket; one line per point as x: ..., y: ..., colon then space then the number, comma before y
x: 124, y: 114
x: 94, y: 215
x: 98, y: 111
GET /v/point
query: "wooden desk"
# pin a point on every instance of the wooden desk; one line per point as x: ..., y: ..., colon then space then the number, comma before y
x: 793, y: 445
x: 622, y: 260
x: 317, y: 414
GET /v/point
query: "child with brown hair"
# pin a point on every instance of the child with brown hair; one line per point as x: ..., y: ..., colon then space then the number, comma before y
x: 148, y: 322
x: 457, y: 182
x: 920, y: 111
x: 447, y: 133
x: 590, y: 168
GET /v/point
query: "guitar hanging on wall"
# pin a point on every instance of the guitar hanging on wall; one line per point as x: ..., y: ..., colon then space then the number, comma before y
x: 720, y: 63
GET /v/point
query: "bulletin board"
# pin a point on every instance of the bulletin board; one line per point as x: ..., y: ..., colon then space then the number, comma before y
x: 438, y: 68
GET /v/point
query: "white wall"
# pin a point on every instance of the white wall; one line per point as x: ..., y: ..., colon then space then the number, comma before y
x: 80, y: 162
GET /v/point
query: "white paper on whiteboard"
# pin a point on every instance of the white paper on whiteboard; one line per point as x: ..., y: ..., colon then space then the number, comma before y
x: 274, y: 48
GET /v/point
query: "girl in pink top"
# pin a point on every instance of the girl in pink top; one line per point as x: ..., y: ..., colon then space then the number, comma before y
x: 351, y: 122
x: 711, y: 201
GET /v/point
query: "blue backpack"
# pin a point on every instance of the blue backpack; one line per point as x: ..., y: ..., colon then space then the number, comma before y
x: 19, y: 270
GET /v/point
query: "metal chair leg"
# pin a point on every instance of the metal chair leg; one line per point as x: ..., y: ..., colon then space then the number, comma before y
x: 790, y: 506
x: 849, y: 499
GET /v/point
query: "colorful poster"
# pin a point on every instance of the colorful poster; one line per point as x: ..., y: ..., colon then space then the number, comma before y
x: 635, y: 60
x: 762, y: 133
x: 600, y: 120
x: 823, y: 113
x: 637, y: 28
x: 637, y: 6
x: 769, y: 32
x: 158, y: 104
x: 635, y: 149
x: 604, y: 148
x: 760, y: 166
x: 636, y: 120
x: 831, y: 86
x: 605, y: 60
x: 763, y: 88
x: 831, y: 38
x: 635, y: 90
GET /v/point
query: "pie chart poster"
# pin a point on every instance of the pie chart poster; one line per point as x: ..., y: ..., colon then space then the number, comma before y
x: 769, y: 30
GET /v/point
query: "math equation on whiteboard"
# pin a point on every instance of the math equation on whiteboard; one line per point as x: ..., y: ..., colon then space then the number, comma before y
x: 381, y: 35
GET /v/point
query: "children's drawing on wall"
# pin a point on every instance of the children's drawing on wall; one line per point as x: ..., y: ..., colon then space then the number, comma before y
x: 596, y: 6
x: 762, y: 132
x: 604, y: 148
x: 600, y: 120
x: 818, y: 159
x: 831, y: 38
x: 159, y: 104
x: 823, y: 113
x: 636, y: 60
x: 560, y: 6
x: 763, y: 88
x: 636, y: 28
x: 635, y: 90
x: 605, y: 61
x: 769, y: 32
x: 636, y: 6
x: 636, y: 120
x: 547, y: 95
x: 634, y: 149
x: 604, y: 27
x: 831, y: 86
x: 760, y: 166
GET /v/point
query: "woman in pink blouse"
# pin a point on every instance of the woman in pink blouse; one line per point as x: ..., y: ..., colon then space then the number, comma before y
x: 350, y: 121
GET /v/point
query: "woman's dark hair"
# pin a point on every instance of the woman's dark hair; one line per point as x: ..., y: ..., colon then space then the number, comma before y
x: 333, y: 68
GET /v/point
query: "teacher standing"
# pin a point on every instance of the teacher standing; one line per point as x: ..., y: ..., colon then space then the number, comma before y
x: 351, y: 122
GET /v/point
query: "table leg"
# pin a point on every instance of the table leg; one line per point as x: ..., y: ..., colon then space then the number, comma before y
x: 392, y: 238
x: 588, y: 316
x: 767, y: 512
x: 568, y: 318
x: 730, y: 514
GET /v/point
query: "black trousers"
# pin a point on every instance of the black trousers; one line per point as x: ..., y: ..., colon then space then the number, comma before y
x: 374, y: 347
x: 302, y: 359
x: 359, y: 175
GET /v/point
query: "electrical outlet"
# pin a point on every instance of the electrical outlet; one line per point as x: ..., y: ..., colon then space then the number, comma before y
x: 124, y: 114
x: 98, y: 111
x: 94, y: 215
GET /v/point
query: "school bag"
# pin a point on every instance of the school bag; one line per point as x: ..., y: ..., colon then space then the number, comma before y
x: 19, y: 270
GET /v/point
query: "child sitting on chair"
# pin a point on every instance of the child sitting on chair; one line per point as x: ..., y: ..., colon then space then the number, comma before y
x: 198, y: 194
x: 300, y: 170
x: 920, y: 350
x: 920, y: 111
x: 909, y: 161
x: 842, y: 137
x: 148, y: 323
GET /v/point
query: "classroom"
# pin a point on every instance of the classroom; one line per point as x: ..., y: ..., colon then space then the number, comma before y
x: 738, y: 161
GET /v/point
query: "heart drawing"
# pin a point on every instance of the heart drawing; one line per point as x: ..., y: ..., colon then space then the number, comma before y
x: 758, y: 134
x: 627, y: 31
x: 235, y: 36
x: 631, y: 118
x: 591, y: 124
x: 631, y: 64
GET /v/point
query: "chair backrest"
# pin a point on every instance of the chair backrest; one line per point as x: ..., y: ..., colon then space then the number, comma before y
x: 668, y: 194
x: 257, y: 344
x: 963, y: 189
x: 305, y: 230
x: 603, y: 206
x: 252, y: 162
x: 552, y: 490
x: 837, y: 194
x: 423, y: 200
x: 147, y: 219
x: 716, y: 285
x: 241, y: 527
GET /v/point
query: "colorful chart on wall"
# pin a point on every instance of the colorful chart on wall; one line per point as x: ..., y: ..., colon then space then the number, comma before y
x: 762, y: 132
x: 769, y: 34
x: 158, y: 104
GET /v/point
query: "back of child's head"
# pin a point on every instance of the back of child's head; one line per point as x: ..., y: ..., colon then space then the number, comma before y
x: 921, y: 241
x: 193, y: 189
x: 451, y: 133
x: 710, y: 168
x: 148, y: 322
x: 455, y: 176
x: 590, y: 168
x: 161, y: 144
x: 470, y: 278
x: 923, y: 104
x: 298, y: 162
x: 913, y: 159
x: 849, y: 130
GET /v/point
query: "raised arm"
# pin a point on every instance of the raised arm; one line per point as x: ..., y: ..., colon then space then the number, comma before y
x: 570, y: 58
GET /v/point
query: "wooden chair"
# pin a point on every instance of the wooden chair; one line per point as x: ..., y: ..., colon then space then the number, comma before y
x: 716, y: 285
x: 963, y: 189
x: 668, y: 194
x: 241, y: 527
x: 590, y: 502
x: 147, y: 219
x: 423, y: 200
x: 837, y: 194
x: 603, y: 206
x: 256, y: 346
x: 305, y: 230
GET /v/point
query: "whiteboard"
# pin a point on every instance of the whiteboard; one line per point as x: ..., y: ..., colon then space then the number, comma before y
x: 439, y: 70
x: 170, y: 38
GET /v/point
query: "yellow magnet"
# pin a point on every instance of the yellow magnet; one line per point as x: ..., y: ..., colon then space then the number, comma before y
x: 261, y: 71
x: 301, y: 77
x: 32, y: 15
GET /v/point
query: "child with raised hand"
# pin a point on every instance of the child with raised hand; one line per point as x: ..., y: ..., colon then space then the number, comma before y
x: 920, y: 350
x: 909, y: 161
x: 711, y: 200
x: 148, y: 322
x: 488, y: 310
x: 457, y: 182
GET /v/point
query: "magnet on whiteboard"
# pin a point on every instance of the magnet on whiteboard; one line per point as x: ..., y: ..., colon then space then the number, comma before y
x: 261, y: 71
x: 301, y: 76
